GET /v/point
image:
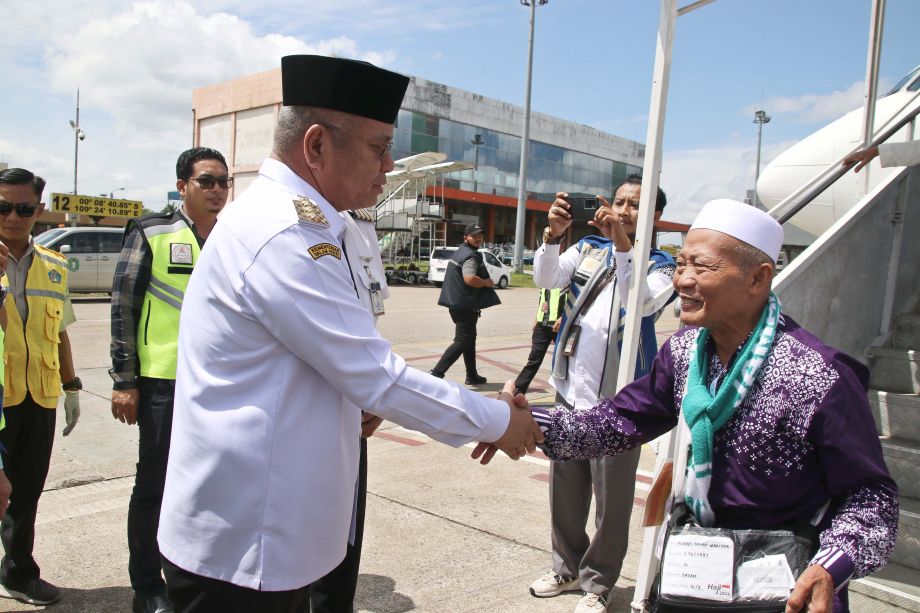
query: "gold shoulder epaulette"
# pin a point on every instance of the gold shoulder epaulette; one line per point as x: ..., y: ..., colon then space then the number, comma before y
x: 364, y: 215
x: 309, y: 211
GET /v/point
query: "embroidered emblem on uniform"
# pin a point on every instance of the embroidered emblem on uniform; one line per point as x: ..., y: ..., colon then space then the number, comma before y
x: 363, y: 214
x: 309, y: 211
x: 180, y: 253
x: 318, y: 251
x: 54, y: 276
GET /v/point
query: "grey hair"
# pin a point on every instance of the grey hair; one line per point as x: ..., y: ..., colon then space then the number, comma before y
x: 749, y: 257
x: 294, y: 121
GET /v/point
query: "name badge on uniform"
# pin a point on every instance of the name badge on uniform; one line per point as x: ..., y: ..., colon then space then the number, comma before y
x: 376, y: 299
x: 180, y: 253
x: 585, y: 269
x: 572, y: 340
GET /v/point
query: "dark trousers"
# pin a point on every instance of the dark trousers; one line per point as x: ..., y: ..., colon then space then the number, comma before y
x: 464, y: 343
x: 154, y: 422
x: 27, y: 441
x: 335, y: 593
x: 540, y: 339
x: 191, y: 593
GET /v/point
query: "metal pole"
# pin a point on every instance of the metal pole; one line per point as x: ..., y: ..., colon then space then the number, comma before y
x: 872, y: 61
x: 651, y: 169
x: 76, y: 144
x: 873, y: 57
x: 525, y: 140
x: 476, y: 142
x: 760, y: 118
x: 76, y: 155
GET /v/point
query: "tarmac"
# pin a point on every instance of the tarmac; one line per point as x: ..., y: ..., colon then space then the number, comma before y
x: 442, y: 532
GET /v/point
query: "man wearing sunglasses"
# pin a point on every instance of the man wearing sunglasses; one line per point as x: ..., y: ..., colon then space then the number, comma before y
x: 157, y: 258
x: 38, y: 359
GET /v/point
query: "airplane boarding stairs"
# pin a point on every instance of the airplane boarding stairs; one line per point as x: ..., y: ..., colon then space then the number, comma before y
x: 857, y: 288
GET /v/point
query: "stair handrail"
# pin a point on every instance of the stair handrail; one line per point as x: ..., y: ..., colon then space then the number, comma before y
x: 391, y: 195
x: 790, y: 206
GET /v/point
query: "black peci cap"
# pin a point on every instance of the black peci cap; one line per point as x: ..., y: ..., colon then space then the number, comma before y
x: 349, y: 86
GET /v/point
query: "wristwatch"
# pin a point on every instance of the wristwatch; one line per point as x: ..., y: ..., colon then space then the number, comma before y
x: 549, y: 239
x: 73, y: 386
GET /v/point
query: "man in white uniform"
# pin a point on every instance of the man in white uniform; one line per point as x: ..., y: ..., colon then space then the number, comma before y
x: 276, y: 352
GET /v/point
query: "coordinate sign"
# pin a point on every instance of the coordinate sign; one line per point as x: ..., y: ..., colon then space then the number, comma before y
x: 96, y: 205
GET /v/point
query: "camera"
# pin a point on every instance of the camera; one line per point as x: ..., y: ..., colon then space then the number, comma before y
x: 582, y: 208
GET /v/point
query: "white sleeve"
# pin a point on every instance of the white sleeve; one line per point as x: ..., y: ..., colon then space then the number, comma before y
x: 550, y: 269
x: 899, y: 154
x: 310, y: 306
x: 659, y: 286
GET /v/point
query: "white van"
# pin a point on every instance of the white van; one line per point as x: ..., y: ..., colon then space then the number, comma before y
x: 437, y: 266
x: 91, y: 253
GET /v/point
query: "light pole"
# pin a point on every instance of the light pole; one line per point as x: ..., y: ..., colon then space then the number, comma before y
x: 760, y: 118
x: 525, y: 139
x: 78, y: 135
x: 117, y: 189
x: 476, y: 142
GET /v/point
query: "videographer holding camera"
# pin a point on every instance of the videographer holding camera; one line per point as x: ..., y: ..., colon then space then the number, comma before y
x: 598, y: 270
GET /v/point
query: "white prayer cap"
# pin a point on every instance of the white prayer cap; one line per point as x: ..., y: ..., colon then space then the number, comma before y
x: 742, y: 221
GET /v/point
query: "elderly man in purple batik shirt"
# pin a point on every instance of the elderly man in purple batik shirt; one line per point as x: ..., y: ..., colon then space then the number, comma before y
x: 802, y: 434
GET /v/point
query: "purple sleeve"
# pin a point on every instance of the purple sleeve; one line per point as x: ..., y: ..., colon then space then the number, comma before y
x: 643, y: 410
x: 860, y: 533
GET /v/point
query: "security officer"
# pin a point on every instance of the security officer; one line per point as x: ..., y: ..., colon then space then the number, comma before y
x: 279, y: 353
x: 157, y: 259
x: 549, y: 317
x: 38, y: 357
x: 467, y: 289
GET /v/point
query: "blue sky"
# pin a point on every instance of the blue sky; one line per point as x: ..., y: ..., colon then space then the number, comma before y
x: 136, y: 64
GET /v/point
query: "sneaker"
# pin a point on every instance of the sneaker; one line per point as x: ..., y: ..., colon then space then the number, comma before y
x: 551, y: 584
x: 36, y: 591
x: 475, y: 380
x: 591, y: 602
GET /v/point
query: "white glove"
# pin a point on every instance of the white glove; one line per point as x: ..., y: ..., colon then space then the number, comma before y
x: 71, y: 410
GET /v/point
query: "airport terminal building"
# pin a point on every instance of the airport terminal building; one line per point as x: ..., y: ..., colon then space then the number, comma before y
x: 481, y: 135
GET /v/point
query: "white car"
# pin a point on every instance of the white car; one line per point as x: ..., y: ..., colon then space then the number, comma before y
x: 437, y: 266
x: 91, y: 252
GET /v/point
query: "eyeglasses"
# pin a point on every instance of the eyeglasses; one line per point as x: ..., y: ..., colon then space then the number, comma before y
x: 23, y: 209
x: 381, y: 149
x: 208, y: 182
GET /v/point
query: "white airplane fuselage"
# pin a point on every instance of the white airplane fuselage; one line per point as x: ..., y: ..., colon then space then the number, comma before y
x: 813, y: 154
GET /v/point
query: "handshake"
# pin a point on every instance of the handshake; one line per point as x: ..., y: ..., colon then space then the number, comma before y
x: 522, y: 434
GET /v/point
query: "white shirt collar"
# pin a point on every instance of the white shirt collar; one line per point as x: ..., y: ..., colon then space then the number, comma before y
x: 279, y: 172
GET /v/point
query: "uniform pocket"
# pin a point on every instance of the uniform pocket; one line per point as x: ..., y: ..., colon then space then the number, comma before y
x: 7, y: 382
x: 51, y: 374
x: 53, y: 314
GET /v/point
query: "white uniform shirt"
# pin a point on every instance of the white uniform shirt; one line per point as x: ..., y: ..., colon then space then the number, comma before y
x: 586, y: 367
x: 272, y: 337
x: 899, y: 154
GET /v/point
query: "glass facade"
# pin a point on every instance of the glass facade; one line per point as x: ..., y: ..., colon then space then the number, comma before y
x: 497, y: 160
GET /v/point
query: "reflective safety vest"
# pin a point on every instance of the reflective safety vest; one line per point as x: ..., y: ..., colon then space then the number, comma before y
x: 175, y: 249
x: 30, y: 354
x: 550, y: 307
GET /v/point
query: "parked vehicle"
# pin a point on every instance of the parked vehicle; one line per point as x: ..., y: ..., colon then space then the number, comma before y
x: 437, y: 266
x: 91, y: 253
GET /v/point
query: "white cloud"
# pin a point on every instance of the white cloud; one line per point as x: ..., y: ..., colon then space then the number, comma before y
x: 818, y: 108
x: 693, y: 177
x: 136, y: 66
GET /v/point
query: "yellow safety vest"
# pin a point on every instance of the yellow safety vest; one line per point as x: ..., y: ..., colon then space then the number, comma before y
x: 174, y: 247
x: 30, y: 354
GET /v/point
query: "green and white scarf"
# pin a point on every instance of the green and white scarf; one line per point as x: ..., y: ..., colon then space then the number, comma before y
x: 705, y: 414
